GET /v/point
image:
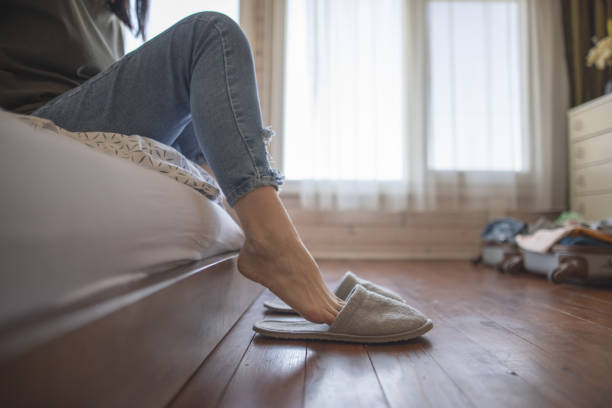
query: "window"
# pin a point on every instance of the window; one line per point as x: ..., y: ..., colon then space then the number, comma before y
x: 346, y: 105
x: 163, y: 14
x: 474, y: 110
x: 343, y: 116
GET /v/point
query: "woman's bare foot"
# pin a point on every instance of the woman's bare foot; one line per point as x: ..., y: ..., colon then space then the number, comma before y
x: 274, y: 256
x: 290, y: 272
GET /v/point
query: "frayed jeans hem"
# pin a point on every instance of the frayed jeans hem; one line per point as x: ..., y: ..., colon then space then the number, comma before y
x: 275, y: 180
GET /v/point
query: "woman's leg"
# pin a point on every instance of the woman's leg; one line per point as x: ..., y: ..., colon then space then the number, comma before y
x: 275, y: 256
x: 201, y: 71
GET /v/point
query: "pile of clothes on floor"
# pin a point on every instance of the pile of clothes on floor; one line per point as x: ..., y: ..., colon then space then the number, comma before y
x: 565, y: 250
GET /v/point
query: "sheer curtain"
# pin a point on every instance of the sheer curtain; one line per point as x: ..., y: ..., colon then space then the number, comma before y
x: 343, y: 112
x: 426, y: 104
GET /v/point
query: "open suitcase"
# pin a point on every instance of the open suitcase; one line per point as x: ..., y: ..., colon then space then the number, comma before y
x: 498, y: 242
x: 566, y: 263
x: 497, y: 255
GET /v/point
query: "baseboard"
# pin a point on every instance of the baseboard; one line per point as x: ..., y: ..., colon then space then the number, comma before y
x: 398, y: 255
x: 439, y: 235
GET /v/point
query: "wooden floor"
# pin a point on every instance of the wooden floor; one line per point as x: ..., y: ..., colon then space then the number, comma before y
x: 497, y: 341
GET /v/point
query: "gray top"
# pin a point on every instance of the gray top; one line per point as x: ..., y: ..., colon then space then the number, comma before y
x: 48, y: 47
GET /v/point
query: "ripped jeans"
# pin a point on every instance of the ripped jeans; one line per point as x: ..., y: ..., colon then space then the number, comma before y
x: 192, y: 86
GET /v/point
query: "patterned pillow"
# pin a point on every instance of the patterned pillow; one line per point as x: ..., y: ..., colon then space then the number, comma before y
x: 142, y: 151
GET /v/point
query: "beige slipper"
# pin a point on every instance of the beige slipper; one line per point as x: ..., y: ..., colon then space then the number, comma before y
x: 367, y: 317
x: 348, y: 282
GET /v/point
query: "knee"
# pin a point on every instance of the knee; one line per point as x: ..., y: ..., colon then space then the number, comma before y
x: 209, y: 26
x: 219, y: 20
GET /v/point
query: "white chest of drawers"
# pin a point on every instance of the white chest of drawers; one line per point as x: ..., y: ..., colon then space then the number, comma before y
x: 590, y: 158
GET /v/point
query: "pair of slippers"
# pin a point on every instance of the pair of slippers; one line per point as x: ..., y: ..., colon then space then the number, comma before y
x: 371, y: 314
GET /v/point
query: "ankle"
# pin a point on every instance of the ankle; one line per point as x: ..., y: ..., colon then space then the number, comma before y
x: 264, y: 219
x: 272, y: 244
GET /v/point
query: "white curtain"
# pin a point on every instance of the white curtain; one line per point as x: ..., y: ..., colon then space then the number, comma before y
x: 426, y: 104
x: 343, y: 113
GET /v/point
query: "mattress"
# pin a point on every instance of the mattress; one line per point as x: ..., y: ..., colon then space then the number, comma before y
x: 74, y: 221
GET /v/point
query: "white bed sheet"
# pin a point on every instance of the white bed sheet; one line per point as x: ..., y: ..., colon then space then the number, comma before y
x: 74, y: 220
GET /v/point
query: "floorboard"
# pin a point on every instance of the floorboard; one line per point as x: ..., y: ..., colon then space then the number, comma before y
x: 498, y: 340
x: 271, y: 374
x: 411, y: 377
x: 526, y: 338
x: 339, y: 375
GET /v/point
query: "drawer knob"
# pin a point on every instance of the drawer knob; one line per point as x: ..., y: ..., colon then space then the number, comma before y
x: 579, y: 153
x: 580, y: 180
x: 577, y: 125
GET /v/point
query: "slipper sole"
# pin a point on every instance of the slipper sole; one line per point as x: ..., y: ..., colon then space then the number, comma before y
x: 330, y: 336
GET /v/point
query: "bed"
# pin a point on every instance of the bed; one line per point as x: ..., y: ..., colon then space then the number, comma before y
x: 117, y: 280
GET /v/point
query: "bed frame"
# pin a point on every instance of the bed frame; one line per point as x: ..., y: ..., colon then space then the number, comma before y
x: 133, y: 346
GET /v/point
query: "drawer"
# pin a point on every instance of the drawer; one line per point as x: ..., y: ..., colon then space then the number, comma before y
x: 591, y: 120
x: 593, y: 179
x: 592, y: 150
x: 593, y: 207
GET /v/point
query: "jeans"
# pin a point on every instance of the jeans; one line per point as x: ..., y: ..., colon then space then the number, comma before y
x: 195, y: 82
